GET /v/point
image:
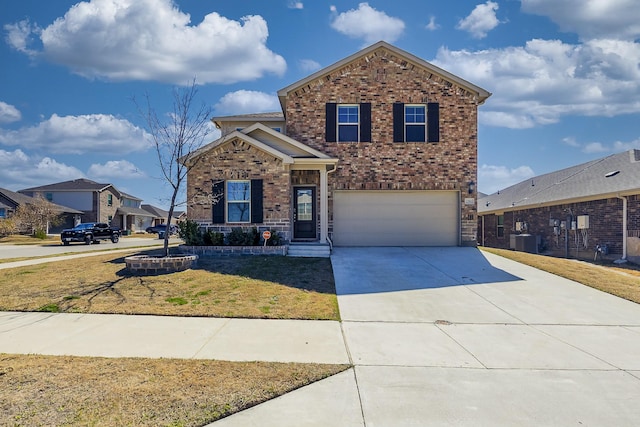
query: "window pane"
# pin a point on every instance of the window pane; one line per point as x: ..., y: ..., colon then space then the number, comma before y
x: 415, y: 133
x: 238, y: 190
x: 348, y: 114
x: 414, y: 114
x: 238, y: 212
x: 348, y: 133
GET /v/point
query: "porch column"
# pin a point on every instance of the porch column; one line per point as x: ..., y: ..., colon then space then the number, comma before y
x: 324, y: 206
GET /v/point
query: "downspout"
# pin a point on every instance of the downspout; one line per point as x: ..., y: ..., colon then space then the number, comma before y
x: 625, y: 232
x: 482, y: 216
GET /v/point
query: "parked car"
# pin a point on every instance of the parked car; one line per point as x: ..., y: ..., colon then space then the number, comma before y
x: 162, y: 228
x: 90, y: 232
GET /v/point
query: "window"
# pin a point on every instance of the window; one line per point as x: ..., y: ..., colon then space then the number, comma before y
x: 109, y: 199
x: 49, y: 197
x: 500, y: 230
x: 415, y: 122
x: 238, y: 201
x: 3, y: 213
x: 348, y: 123
x: 109, y: 219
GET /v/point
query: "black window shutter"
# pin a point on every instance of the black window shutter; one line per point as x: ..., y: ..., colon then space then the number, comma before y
x: 365, y: 122
x: 398, y: 122
x: 256, y: 201
x: 433, y: 122
x: 330, y: 118
x: 218, y: 207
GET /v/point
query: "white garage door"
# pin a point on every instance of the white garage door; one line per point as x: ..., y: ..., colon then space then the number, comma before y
x: 395, y: 218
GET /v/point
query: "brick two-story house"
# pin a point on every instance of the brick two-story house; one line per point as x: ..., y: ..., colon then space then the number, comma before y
x: 377, y: 149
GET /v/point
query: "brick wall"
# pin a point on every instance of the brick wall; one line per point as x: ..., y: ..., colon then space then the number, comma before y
x: 239, y: 160
x: 605, y: 226
x: 382, y: 79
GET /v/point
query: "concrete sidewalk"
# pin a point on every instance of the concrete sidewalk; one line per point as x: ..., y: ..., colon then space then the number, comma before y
x: 172, y: 337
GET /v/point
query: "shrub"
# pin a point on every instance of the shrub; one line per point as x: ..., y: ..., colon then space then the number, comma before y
x: 189, y: 231
x: 275, y: 239
x: 238, y: 237
x: 40, y: 234
x: 7, y: 227
x: 213, y: 238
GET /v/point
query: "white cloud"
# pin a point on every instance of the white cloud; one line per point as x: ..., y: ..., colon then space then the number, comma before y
x: 296, y: 5
x: 247, y: 101
x: 18, y: 170
x: 19, y: 35
x: 600, y: 147
x: 368, y: 24
x: 591, y: 19
x: 114, y: 169
x: 9, y: 113
x: 544, y: 80
x: 481, y: 20
x: 493, y: 178
x: 94, y: 133
x: 308, y: 65
x: 432, y: 26
x: 152, y: 40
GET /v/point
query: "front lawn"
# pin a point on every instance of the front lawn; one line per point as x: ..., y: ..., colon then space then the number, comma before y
x: 246, y: 287
x: 622, y: 281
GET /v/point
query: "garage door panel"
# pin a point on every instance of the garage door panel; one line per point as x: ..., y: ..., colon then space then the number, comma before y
x: 395, y: 218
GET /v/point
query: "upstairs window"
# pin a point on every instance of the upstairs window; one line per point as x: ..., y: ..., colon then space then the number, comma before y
x: 348, y: 122
x: 109, y: 199
x: 415, y: 123
x: 49, y: 197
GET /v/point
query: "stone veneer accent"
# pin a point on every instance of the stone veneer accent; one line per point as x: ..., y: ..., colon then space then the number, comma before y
x: 221, y: 251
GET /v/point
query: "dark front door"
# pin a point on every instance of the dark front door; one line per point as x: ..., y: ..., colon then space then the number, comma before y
x: 304, y: 213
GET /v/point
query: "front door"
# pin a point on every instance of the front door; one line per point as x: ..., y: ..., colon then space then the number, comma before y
x: 304, y: 213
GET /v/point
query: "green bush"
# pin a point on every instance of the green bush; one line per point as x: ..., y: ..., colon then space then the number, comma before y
x: 213, y: 238
x: 189, y: 231
x: 238, y: 237
x: 40, y: 234
x: 275, y: 239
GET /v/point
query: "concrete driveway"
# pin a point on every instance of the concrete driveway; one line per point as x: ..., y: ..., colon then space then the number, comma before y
x: 454, y: 336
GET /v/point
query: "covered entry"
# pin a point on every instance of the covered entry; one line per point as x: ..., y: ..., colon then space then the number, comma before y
x: 396, y: 218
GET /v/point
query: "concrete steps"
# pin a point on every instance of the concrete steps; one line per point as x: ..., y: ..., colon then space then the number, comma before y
x: 309, y: 250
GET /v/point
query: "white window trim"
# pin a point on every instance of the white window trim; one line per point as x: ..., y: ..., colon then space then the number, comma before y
x: 338, y: 123
x: 227, y: 201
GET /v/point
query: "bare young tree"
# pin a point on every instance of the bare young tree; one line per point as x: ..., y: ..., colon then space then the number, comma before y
x: 37, y: 215
x: 175, y: 136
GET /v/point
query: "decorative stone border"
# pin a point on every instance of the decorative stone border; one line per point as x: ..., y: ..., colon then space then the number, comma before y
x: 150, y: 265
x: 221, y: 251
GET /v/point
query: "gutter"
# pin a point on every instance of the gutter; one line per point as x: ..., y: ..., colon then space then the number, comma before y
x: 625, y: 231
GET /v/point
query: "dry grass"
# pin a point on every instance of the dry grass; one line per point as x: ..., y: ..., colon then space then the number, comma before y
x: 247, y: 287
x: 19, y: 239
x: 79, y: 391
x: 623, y: 282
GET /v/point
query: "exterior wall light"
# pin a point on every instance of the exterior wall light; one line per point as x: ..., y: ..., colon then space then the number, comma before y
x: 472, y: 187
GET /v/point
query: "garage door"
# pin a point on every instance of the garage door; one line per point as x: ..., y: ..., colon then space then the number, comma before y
x: 395, y: 218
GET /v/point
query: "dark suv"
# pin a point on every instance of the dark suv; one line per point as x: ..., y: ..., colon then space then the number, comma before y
x: 162, y: 228
x: 90, y: 232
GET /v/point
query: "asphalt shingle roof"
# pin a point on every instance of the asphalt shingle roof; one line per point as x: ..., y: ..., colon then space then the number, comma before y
x: 611, y: 175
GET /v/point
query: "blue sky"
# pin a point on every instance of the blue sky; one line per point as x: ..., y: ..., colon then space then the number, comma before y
x: 565, y: 75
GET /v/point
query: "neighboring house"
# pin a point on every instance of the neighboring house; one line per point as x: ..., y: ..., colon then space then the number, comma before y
x: 159, y: 215
x: 98, y: 202
x: 571, y: 210
x: 378, y: 149
x: 9, y: 202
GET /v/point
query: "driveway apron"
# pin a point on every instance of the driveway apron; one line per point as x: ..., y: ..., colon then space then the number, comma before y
x: 455, y: 336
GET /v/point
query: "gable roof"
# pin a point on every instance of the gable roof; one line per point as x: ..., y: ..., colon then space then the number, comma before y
x: 80, y: 184
x: 21, y: 199
x: 611, y: 176
x: 160, y: 213
x: 481, y: 94
x: 270, y: 141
